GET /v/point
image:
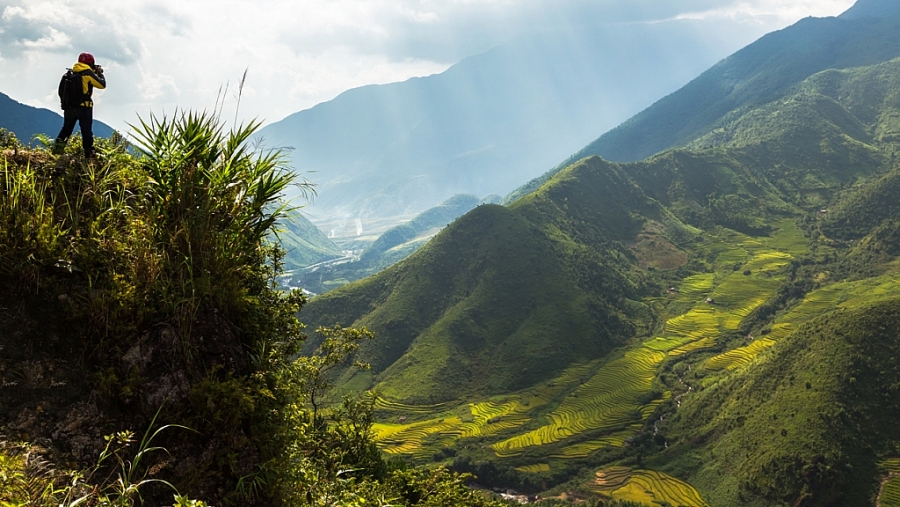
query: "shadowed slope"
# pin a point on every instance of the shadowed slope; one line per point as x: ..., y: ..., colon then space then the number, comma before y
x: 304, y: 243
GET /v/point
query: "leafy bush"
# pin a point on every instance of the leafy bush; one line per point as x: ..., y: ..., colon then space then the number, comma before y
x: 164, y: 247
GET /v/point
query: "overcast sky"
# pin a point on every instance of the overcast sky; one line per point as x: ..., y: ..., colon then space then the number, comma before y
x: 163, y: 54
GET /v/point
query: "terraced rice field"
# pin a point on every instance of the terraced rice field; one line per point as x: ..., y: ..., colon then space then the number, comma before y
x: 892, y: 465
x: 408, y: 439
x: 419, y: 439
x: 487, y: 418
x: 667, y: 344
x: 816, y: 303
x: 789, y: 239
x: 738, y: 357
x: 645, y: 486
x: 736, y: 294
x: 700, y: 322
x: 890, y: 493
x: 729, y: 255
x: 868, y: 291
x: 534, y: 469
x: 584, y: 449
x: 695, y: 288
x: 813, y: 305
x: 889, y: 496
x: 597, y: 397
x: 607, y: 400
x: 703, y: 343
x: 491, y: 418
x: 385, y: 404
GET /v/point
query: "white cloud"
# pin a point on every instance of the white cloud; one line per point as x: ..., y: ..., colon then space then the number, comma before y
x: 163, y: 54
x: 52, y: 41
x: 158, y: 87
x: 785, y: 12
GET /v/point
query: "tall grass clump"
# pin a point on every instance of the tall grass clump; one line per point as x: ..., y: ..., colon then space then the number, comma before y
x: 211, y: 201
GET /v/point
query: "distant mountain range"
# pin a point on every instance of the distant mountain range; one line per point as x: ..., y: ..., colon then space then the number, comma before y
x: 26, y: 121
x: 755, y: 75
x: 490, y: 122
x: 715, y: 325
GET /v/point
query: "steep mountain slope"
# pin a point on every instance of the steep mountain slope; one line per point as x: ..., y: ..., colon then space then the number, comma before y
x: 759, y: 376
x: 389, y: 248
x: 304, y: 243
x: 496, y: 283
x: 751, y: 77
x: 604, y: 208
x: 758, y: 74
x: 26, y: 121
x: 491, y: 121
x: 807, y: 425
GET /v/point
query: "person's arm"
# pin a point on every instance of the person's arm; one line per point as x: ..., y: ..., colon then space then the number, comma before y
x: 97, y: 79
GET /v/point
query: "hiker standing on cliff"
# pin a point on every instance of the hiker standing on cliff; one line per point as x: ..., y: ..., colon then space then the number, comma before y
x: 75, y: 90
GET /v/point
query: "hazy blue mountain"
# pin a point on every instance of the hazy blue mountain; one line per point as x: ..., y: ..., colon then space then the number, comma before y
x: 26, y: 121
x: 761, y: 72
x: 757, y: 74
x: 492, y: 121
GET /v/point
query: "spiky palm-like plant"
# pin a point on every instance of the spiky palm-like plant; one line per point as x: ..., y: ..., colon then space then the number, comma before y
x: 211, y: 199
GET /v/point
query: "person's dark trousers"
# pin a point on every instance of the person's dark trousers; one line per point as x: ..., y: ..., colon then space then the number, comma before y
x: 85, y: 118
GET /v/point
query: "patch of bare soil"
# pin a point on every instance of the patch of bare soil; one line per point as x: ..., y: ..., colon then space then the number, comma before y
x: 653, y: 250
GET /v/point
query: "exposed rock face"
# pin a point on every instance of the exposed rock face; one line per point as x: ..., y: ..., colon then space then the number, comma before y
x: 80, y: 432
x: 53, y: 395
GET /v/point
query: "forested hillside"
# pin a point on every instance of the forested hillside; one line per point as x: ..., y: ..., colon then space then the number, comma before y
x: 710, y: 326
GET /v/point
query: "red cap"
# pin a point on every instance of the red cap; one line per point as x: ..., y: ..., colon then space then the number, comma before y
x: 86, y: 58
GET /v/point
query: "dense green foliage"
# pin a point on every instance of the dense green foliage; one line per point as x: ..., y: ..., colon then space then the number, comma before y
x: 146, y: 299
